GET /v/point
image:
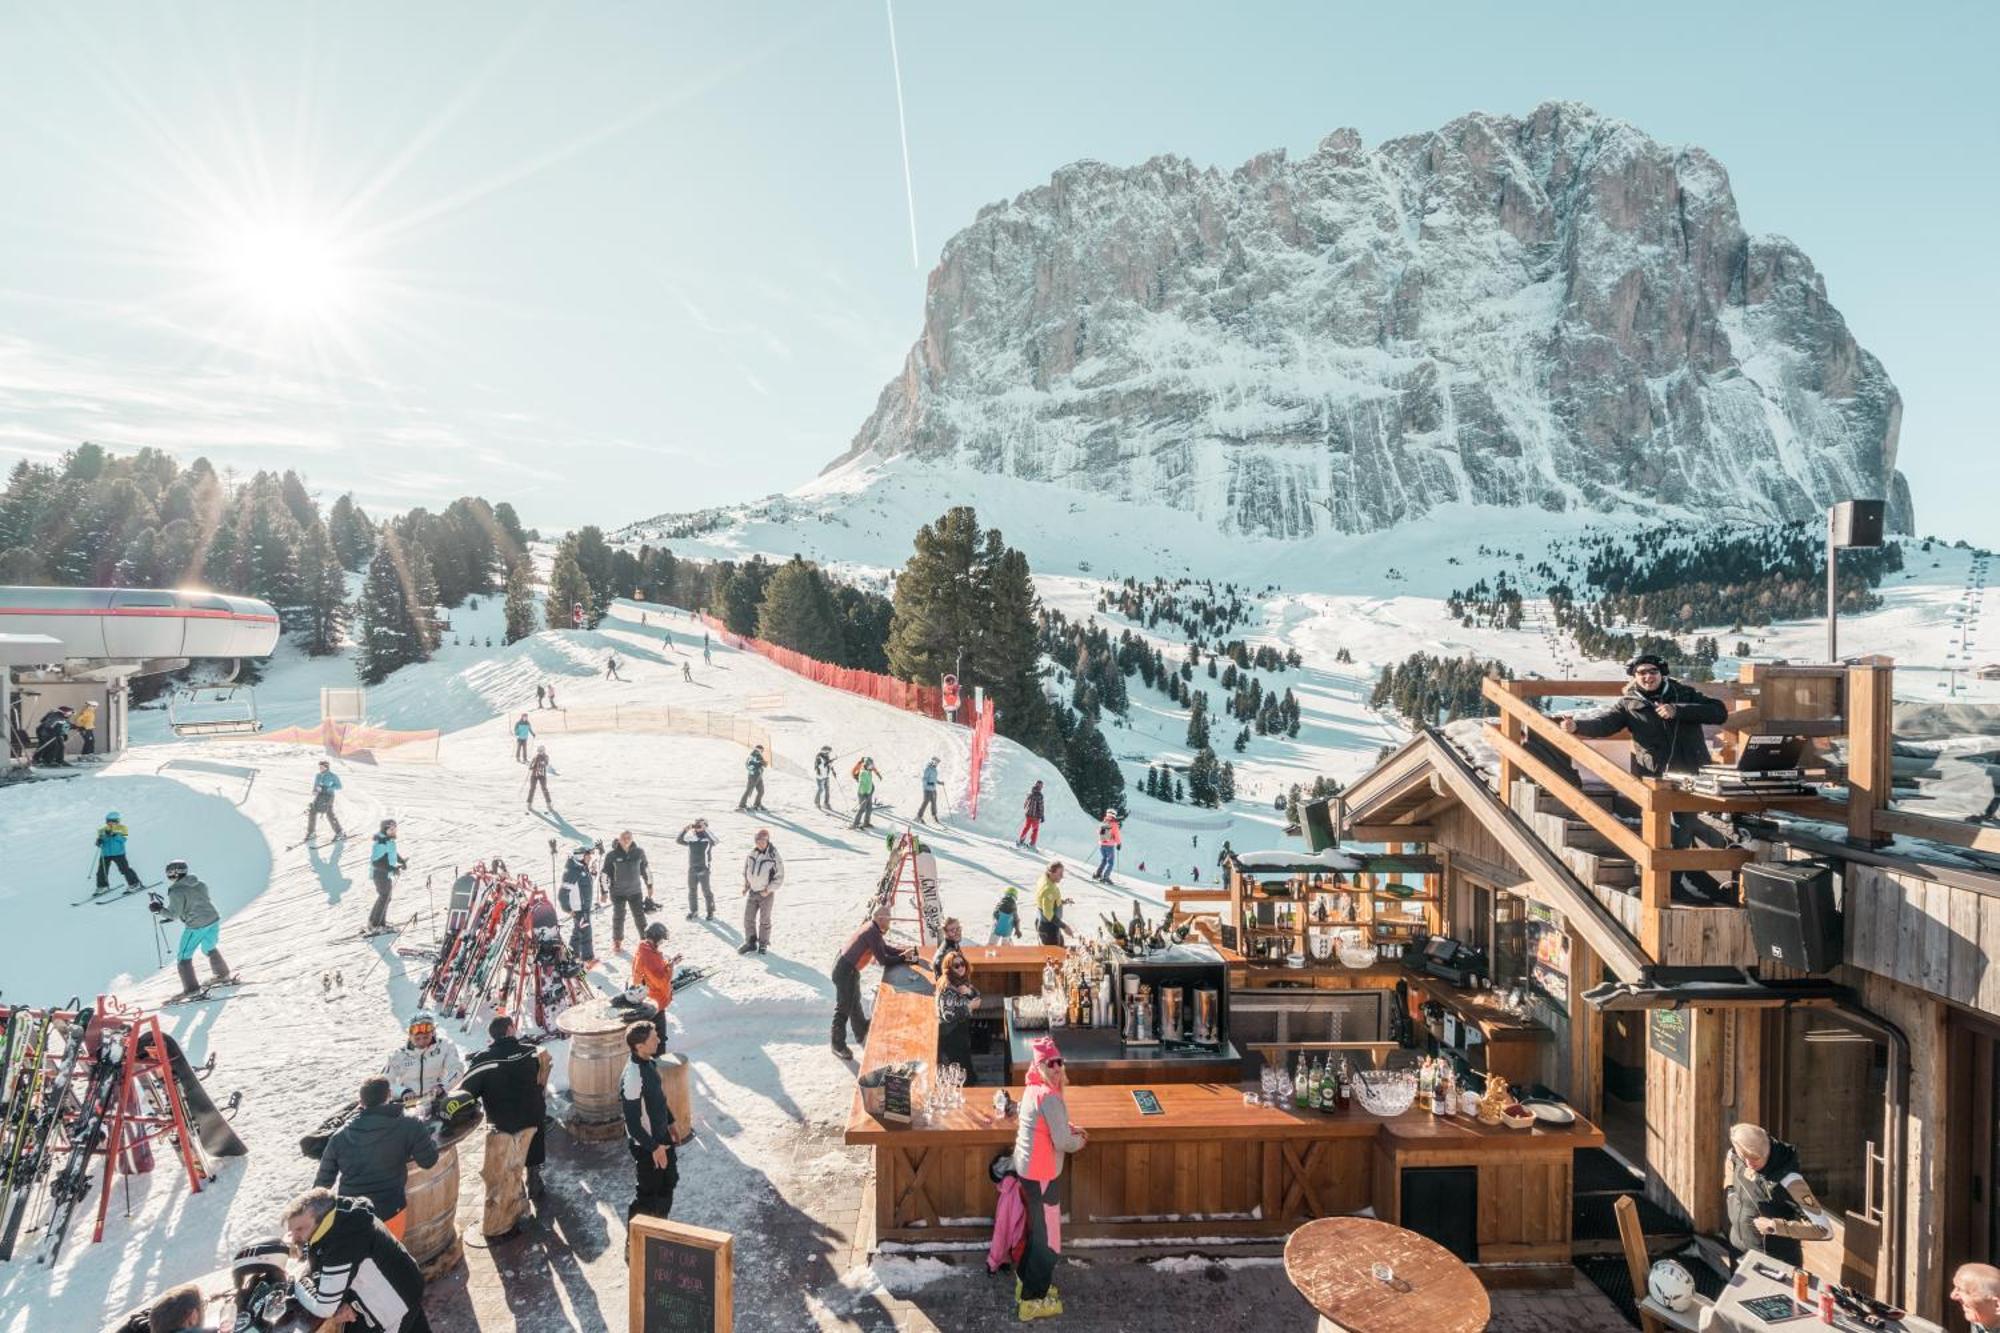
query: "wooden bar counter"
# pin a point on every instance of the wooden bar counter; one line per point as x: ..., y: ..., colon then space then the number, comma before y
x: 1210, y: 1165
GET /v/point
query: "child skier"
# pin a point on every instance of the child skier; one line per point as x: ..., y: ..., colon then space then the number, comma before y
x: 1006, y: 918
x: 111, y: 851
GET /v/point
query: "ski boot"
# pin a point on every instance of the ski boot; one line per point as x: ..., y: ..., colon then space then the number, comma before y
x: 189, y: 985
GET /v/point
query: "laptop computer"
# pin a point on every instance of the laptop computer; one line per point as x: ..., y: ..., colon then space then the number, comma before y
x: 1768, y: 754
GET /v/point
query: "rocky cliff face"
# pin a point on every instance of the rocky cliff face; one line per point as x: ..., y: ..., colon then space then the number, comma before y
x: 1548, y: 311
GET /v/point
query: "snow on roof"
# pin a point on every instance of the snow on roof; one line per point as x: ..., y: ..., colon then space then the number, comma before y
x: 1289, y: 862
x: 29, y: 649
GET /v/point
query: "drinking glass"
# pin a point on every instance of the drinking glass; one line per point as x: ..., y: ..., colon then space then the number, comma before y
x: 1383, y: 1273
x: 1267, y: 1082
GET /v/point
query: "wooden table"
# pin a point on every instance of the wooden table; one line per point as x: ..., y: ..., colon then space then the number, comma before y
x: 1330, y: 1262
x: 1754, y: 1277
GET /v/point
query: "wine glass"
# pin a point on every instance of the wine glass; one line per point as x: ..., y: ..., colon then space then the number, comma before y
x: 1267, y: 1083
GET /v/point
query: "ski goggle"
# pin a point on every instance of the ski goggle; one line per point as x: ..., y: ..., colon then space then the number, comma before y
x: 423, y: 1029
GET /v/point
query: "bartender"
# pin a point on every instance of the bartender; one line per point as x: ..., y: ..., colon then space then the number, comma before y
x: 1771, y: 1208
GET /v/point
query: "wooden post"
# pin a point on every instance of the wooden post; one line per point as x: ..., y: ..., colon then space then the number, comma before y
x: 1511, y: 728
x: 1656, y: 887
x: 1870, y: 727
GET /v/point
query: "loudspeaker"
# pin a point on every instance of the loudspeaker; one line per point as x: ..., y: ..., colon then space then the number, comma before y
x: 1792, y: 916
x: 1857, y: 522
x: 1319, y: 825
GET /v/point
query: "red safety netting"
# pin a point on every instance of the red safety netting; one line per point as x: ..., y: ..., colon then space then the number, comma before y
x: 350, y: 738
x: 924, y: 699
x: 982, y: 742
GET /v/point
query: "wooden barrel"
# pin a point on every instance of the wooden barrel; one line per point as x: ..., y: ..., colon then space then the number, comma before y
x: 430, y: 1226
x: 597, y: 1058
x: 674, y: 1082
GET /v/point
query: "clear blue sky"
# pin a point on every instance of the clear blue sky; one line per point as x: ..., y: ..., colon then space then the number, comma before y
x: 612, y: 259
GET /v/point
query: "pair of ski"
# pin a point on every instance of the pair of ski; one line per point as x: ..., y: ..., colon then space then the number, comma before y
x: 312, y: 846
x: 112, y: 895
x: 214, y: 990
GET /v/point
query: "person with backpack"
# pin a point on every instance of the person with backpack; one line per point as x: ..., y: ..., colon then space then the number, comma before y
x: 753, y: 782
x: 384, y: 864
x: 1006, y: 918
x: 325, y: 783
x: 524, y: 730
x: 111, y: 852
x: 189, y: 903
x: 629, y: 879
x: 763, y: 872
x: 1033, y: 811
x: 51, y: 735
x: 701, y: 858
x: 930, y: 793
x: 539, y: 769
x: 823, y: 778
x: 865, y: 778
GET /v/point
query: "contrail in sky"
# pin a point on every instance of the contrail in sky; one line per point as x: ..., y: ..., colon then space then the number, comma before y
x: 903, y: 126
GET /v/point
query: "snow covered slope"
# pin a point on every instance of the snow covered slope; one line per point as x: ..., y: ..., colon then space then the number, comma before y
x: 1552, y: 311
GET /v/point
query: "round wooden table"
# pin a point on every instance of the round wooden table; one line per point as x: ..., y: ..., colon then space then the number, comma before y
x: 1331, y: 1262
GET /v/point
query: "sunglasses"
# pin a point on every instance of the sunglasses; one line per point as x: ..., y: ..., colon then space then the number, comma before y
x: 1053, y: 1064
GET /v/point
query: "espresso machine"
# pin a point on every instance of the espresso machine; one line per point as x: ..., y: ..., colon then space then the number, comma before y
x: 1178, y: 1000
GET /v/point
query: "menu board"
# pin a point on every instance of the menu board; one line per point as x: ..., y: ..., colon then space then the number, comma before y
x: 1667, y: 1033
x: 679, y: 1277
x: 896, y: 1097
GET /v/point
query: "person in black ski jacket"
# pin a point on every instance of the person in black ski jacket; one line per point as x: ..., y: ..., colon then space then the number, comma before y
x: 823, y: 778
x: 370, y: 1155
x: 51, y: 735
x: 753, y: 780
x: 357, y: 1273
x: 649, y: 1126
x: 508, y: 1077
x: 701, y: 857
x: 539, y: 769
x: 1664, y: 717
x: 629, y: 879
x: 385, y: 862
x: 576, y: 894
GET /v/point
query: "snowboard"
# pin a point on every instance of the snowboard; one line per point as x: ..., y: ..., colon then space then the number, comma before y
x: 218, y: 1139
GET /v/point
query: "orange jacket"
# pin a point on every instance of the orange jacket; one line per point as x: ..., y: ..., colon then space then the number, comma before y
x: 651, y: 970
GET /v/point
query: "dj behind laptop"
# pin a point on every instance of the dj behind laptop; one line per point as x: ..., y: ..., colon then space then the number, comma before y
x: 1766, y: 766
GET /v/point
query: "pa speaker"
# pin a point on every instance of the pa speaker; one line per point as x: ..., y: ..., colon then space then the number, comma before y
x: 1857, y: 522
x: 1319, y: 825
x: 1792, y: 917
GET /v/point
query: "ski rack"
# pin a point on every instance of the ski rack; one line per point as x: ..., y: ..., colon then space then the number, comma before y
x: 905, y: 869
x: 152, y: 1075
x: 491, y: 957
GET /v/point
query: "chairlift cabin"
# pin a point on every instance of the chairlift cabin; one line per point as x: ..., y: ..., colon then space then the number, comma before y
x: 213, y: 710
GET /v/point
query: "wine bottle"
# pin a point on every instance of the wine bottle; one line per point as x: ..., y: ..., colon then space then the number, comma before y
x: 1301, y: 1083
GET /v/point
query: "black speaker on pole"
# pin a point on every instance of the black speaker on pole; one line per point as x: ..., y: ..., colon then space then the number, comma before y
x: 1793, y: 919
x: 1857, y: 522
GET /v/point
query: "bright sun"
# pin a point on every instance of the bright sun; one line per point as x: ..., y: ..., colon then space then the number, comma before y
x: 288, y: 272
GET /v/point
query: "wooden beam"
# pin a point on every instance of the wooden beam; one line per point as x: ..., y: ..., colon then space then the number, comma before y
x: 1562, y: 890
x: 1511, y: 727
x: 1389, y: 833
x: 1870, y: 744
x: 1979, y: 837
x: 1614, y: 830
x: 1626, y: 783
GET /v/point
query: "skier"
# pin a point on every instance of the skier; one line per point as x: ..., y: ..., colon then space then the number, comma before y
x: 541, y: 692
x: 1033, y: 811
x: 384, y: 864
x: 865, y: 777
x: 578, y: 874
x: 111, y: 851
x: 51, y: 735
x: 188, y: 902
x: 422, y: 1067
x: 325, y: 783
x: 763, y: 872
x: 538, y: 776
x: 357, y: 1273
x: 649, y: 1126
x: 552, y: 695
x: 701, y: 856
x: 706, y: 660
x: 654, y: 971
x: 823, y: 778
x: 370, y: 1156
x: 611, y: 668
x: 522, y: 731
x: 930, y: 793
x: 753, y: 781
x: 687, y: 673
x: 1006, y: 918
x: 86, y: 727
x: 869, y: 943
x: 625, y: 873
x: 508, y: 1077
x: 1049, y: 902
x: 1109, y: 838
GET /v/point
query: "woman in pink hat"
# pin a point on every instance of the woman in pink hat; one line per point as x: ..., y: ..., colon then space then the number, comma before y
x: 1042, y: 1139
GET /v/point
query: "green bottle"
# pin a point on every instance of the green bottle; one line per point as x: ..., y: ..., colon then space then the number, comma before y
x: 1301, y: 1089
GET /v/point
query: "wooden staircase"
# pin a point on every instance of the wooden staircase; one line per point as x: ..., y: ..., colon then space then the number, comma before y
x: 1613, y: 879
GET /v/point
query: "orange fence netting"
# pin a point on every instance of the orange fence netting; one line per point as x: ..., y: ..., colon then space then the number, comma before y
x: 927, y: 700
x: 349, y: 739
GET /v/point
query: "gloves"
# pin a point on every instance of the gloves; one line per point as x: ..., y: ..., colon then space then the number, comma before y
x: 154, y: 905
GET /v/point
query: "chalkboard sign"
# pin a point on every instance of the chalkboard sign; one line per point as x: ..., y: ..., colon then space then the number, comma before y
x: 679, y: 1278
x: 1228, y: 934
x: 896, y: 1096
x: 1667, y: 1032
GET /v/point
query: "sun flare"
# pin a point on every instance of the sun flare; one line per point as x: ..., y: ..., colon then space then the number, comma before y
x: 289, y: 272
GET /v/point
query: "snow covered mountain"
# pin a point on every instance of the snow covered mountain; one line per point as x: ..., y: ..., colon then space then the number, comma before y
x: 1552, y: 311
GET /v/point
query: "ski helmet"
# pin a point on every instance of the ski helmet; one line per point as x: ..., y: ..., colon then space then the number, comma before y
x: 257, y: 1271
x: 657, y: 932
x: 175, y: 869
x: 388, y: 824
x: 111, y: 816
x: 423, y: 1022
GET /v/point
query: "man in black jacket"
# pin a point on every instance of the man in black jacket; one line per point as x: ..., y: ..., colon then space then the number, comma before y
x: 353, y: 1265
x: 508, y: 1078
x: 701, y: 856
x: 1664, y: 717
x: 629, y: 879
x: 371, y: 1154
x: 649, y: 1126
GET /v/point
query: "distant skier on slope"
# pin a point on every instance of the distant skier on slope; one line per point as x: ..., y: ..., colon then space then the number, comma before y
x: 111, y: 852
x: 539, y: 769
x: 385, y: 862
x: 524, y: 730
x: 611, y: 668
x: 865, y: 778
x: 930, y: 793
x: 823, y: 778
x: 325, y: 783
x: 188, y: 902
x: 687, y: 673
x: 1033, y: 811
x: 753, y: 780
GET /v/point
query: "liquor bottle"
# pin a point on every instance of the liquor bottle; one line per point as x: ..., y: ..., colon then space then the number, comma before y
x: 1345, y: 1092
x: 1083, y: 1006
x: 1424, y: 1076
x: 1441, y: 1091
x: 1301, y: 1083
x: 1326, y: 1090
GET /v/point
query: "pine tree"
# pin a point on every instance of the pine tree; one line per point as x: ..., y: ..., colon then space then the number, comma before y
x: 1204, y: 778
x: 390, y: 614
x: 743, y: 593
x: 1151, y: 786
x: 1091, y: 772
x: 353, y: 536
x: 1197, y: 728
x: 937, y: 614
x: 798, y: 612
x: 1225, y: 784
x: 515, y: 539
x: 1242, y: 739
x: 520, y: 608
x: 568, y: 589
x: 1180, y: 791
x: 322, y: 592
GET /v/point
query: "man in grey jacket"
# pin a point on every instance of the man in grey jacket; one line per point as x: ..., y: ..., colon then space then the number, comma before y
x: 188, y: 902
x: 763, y: 872
x: 371, y: 1154
x: 629, y: 880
